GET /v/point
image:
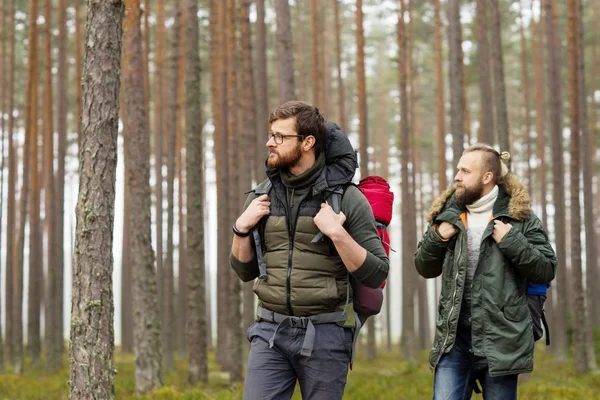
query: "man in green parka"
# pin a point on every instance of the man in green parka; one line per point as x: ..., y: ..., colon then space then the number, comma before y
x: 308, y: 255
x: 486, y: 242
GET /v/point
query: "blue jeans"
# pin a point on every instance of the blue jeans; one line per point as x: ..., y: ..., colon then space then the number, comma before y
x: 272, y: 373
x: 457, y: 371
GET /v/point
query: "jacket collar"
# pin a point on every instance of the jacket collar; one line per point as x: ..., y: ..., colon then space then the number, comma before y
x: 513, y: 200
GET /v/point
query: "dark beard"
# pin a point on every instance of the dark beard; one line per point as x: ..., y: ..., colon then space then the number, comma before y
x: 466, y: 196
x: 287, y: 161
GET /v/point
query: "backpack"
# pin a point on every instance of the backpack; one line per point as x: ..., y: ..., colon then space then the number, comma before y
x: 536, y: 298
x: 366, y: 301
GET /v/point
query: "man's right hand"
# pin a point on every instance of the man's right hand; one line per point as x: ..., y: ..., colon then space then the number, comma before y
x: 447, y: 230
x: 257, y: 209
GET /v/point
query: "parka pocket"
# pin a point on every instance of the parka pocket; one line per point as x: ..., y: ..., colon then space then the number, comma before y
x: 516, y: 313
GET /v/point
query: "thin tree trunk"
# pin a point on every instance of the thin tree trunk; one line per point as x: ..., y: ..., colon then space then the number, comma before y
x: 594, y: 294
x: 51, y: 329
x: 3, y: 110
x: 146, y: 320
x: 59, y: 189
x: 285, y: 52
x: 408, y: 342
x: 316, y: 37
x: 126, y: 267
x: 92, y: 301
x: 591, y: 277
x: 525, y: 74
x: 486, y: 126
x: 361, y: 92
x: 466, y: 102
x: 262, y: 92
x: 196, y: 328
x: 159, y: 133
x: 560, y: 344
x: 234, y: 317
x: 440, y: 102
x: 538, y: 84
x: 29, y: 185
x: 11, y: 208
x: 300, y: 44
x: 341, y: 120
x: 502, y: 126
x: 456, y: 93
x: 168, y: 305
x: 248, y: 119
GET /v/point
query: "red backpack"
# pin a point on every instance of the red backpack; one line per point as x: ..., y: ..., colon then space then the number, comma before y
x: 368, y: 301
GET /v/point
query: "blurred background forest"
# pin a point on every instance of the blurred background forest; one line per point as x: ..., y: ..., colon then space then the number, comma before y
x: 412, y: 83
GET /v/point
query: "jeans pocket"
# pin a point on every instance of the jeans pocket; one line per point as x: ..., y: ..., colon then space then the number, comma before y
x: 249, y: 331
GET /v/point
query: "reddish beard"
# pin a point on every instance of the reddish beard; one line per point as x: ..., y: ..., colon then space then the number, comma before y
x: 466, y: 196
x: 286, y: 160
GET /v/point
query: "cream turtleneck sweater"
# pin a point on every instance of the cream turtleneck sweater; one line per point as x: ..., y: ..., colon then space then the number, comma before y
x: 478, y: 218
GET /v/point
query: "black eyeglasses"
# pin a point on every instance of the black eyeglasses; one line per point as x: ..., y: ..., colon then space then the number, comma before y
x: 279, y: 138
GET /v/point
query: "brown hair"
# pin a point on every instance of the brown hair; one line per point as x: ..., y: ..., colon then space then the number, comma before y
x: 309, y: 121
x: 491, y: 159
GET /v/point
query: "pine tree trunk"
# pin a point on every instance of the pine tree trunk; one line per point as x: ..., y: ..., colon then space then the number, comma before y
x: 456, y: 93
x: 29, y: 177
x: 560, y: 345
x: 285, y: 52
x: 78, y: 70
x: 248, y: 118
x: 538, y: 84
x: 316, y: 36
x: 341, y: 119
x: 3, y: 84
x: 486, y: 126
x: 53, y: 350
x: 126, y: 268
x: 168, y: 300
x: 525, y: 74
x: 591, y: 253
x: 440, y: 102
x: 92, y: 301
x: 234, y: 317
x: 408, y: 342
x: 300, y: 45
x: 146, y: 321
x: 59, y: 189
x: 160, y: 131
x: 196, y: 328
x: 11, y: 208
x: 262, y: 93
x: 361, y: 92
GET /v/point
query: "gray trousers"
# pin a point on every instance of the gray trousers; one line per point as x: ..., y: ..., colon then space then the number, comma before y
x: 272, y: 372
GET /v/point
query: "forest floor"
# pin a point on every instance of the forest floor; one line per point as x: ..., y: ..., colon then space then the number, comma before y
x: 388, y: 377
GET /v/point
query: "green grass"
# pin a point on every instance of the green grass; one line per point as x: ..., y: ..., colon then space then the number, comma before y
x: 388, y: 377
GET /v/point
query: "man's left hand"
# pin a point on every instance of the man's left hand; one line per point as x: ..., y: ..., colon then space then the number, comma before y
x: 328, y: 221
x: 500, y: 230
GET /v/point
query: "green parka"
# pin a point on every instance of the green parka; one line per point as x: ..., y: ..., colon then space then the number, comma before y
x: 501, y: 324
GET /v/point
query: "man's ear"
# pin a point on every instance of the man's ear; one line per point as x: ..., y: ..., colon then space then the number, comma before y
x: 488, y: 177
x: 308, y: 143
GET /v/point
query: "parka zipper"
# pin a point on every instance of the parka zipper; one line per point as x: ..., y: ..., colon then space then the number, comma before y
x: 449, y: 314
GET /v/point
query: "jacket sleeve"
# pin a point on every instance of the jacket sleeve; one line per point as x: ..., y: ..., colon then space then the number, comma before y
x: 530, y: 251
x: 430, y: 253
x: 245, y: 271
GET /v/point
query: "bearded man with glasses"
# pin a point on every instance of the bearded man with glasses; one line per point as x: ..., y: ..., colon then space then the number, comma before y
x: 301, y: 256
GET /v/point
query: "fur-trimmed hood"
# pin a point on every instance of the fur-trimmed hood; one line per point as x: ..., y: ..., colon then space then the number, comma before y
x: 519, y: 203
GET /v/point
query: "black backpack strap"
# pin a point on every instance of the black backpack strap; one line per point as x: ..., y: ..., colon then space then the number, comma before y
x: 262, y: 266
x: 335, y: 196
x: 546, y: 328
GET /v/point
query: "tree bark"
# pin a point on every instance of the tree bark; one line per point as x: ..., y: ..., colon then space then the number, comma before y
x: 30, y: 186
x: 146, y: 321
x: 63, y: 89
x: 92, y: 336
x: 554, y: 86
x: 3, y: 110
x: 525, y: 75
x: 486, y: 126
x: 78, y: 70
x: 11, y: 208
x: 262, y: 93
x: 361, y: 92
x: 196, y: 304
x: 341, y: 120
x: 285, y: 52
x: 456, y: 93
x: 440, y: 102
